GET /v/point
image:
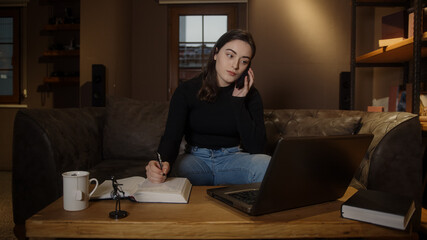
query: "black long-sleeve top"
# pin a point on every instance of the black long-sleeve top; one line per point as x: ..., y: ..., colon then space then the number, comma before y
x: 227, y: 122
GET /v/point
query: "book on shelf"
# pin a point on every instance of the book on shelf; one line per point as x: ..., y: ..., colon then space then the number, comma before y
x: 393, y: 98
x: 394, y: 25
x: 423, y: 100
x: 423, y: 112
x: 389, y: 41
x: 140, y: 189
x: 380, y: 208
x: 411, y: 22
x: 375, y: 109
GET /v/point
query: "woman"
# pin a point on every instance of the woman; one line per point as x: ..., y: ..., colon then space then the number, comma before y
x: 222, y: 124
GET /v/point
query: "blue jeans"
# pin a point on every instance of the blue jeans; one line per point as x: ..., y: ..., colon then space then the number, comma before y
x: 203, y: 166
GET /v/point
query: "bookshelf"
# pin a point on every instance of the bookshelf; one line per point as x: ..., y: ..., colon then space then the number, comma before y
x: 400, y: 54
x: 62, y: 54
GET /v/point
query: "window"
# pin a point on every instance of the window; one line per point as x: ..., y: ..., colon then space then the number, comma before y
x: 9, y: 55
x: 193, y: 31
x: 197, y: 36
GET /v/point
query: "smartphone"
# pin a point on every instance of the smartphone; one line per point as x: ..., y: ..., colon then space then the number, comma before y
x: 240, y: 83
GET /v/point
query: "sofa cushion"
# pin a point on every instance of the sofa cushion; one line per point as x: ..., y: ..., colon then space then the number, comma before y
x: 322, y: 126
x: 286, y: 124
x: 133, y: 128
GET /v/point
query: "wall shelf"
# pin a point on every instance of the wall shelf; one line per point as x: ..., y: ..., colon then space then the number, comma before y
x: 61, y: 79
x: 61, y: 53
x: 62, y: 56
x: 394, y: 53
x: 62, y: 27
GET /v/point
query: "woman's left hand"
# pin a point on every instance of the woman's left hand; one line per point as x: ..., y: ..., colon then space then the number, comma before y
x: 249, y: 81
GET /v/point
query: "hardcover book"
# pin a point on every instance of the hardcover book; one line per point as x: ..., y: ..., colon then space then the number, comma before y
x: 411, y: 22
x: 140, y: 189
x: 381, y: 208
x: 394, y: 25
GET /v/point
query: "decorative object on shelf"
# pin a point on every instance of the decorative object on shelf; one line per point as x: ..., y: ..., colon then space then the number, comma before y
x: 116, y: 194
x: 68, y: 19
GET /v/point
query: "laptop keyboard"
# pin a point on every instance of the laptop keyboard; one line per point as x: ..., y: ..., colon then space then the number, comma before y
x: 248, y: 197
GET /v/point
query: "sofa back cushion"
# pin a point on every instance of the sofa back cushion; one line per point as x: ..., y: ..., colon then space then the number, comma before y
x: 133, y: 128
x: 295, y: 123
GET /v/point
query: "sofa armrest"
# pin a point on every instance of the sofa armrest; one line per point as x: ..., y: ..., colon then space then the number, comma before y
x: 47, y: 142
x: 396, y: 150
x: 394, y: 163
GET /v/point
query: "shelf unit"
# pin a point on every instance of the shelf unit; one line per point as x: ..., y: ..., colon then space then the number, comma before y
x: 394, y: 55
x: 57, y: 56
x: 62, y: 27
x: 62, y: 55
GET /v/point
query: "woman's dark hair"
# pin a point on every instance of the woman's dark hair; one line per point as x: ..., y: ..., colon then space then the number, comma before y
x: 209, y: 90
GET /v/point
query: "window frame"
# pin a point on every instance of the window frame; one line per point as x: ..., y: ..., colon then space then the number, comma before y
x: 15, y: 13
x: 231, y: 10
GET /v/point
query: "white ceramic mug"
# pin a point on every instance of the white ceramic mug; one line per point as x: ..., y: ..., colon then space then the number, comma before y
x: 76, y: 190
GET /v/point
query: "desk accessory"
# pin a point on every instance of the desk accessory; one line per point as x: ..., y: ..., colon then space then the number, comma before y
x: 115, y: 194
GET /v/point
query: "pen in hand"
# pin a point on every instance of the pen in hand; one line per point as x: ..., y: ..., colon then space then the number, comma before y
x: 159, y: 159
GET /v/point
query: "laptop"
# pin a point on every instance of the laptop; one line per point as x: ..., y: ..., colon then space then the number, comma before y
x: 302, y: 171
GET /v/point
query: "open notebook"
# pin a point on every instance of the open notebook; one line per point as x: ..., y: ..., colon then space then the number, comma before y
x: 140, y: 189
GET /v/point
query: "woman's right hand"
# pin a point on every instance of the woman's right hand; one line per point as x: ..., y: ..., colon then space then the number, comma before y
x: 154, y: 173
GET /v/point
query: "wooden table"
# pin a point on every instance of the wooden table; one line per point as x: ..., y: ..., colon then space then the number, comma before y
x: 202, y: 217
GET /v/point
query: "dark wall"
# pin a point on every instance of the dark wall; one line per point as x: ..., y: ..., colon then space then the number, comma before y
x: 149, y: 50
x: 302, y: 46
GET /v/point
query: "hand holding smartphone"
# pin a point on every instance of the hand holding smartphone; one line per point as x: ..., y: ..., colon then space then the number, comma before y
x: 240, y: 83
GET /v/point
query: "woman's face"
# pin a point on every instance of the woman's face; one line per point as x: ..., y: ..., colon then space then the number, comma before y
x: 231, y: 60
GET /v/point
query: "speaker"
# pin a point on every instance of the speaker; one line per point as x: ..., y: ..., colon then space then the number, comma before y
x: 98, y: 85
x: 345, y: 91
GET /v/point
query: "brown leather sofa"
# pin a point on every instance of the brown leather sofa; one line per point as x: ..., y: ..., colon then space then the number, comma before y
x: 120, y: 138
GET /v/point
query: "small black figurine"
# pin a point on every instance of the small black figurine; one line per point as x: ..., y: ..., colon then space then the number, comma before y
x: 115, y: 194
